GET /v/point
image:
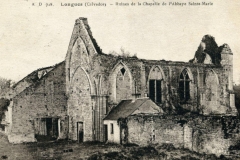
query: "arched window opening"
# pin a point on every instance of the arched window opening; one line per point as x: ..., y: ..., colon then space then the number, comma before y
x: 155, y: 85
x: 123, y: 84
x: 155, y: 91
x: 211, y: 86
x: 184, y: 86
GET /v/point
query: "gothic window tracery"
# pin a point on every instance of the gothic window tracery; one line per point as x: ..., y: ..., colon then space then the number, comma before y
x: 155, y: 85
x: 184, y: 86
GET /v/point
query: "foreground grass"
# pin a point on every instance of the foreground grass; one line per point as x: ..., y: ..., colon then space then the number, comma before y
x: 64, y: 150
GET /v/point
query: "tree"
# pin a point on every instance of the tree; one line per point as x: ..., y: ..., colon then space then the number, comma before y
x: 5, y: 85
x: 123, y: 53
x: 4, y: 103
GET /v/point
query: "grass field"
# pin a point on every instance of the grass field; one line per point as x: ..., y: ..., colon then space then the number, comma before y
x: 64, y: 150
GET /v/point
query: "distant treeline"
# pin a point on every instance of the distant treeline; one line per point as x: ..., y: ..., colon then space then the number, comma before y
x: 5, y: 85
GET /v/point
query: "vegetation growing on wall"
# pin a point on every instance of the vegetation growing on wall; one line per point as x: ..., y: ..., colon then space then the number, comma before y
x: 208, y: 45
x: 4, y: 103
x: 123, y: 53
x: 5, y: 85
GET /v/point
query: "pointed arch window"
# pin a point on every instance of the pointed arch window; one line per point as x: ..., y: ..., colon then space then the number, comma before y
x: 155, y: 90
x: 211, y: 86
x: 123, y: 83
x: 184, y: 86
x: 155, y: 85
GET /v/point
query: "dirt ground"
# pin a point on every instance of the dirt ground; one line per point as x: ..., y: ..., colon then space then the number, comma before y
x: 65, y: 150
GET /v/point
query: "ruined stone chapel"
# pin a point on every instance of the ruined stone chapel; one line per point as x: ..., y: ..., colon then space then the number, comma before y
x: 72, y: 99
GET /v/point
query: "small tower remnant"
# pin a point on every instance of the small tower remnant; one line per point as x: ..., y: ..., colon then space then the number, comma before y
x: 227, y: 64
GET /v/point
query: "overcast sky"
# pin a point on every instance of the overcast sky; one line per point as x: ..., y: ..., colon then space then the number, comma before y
x: 32, y: 37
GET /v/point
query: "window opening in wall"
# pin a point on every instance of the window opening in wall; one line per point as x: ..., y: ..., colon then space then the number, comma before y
x: 123, y: 85
x: 105, y: 133
x: 155, y: 91
x: 123, y: 71
x: 112, y: 131
x: 184, y: 86
x: 80, y: 132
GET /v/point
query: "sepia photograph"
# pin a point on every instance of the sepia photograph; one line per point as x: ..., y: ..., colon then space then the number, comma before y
x: 124, y: 80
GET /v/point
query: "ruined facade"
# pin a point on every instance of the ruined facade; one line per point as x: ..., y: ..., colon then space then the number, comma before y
x: 77, y: 94
x: 40, y: 109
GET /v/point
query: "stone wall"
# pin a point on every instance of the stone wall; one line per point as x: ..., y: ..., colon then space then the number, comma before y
x: 213, y: 135
x: 80, y: 107
x: 91, y: 74
x: 44, y: 99
x: 29, y: 80
x: 91, y: 83
x: 103, y: 82
x: 140, y: 72
x: 147, y: 130
x: 82, y: 81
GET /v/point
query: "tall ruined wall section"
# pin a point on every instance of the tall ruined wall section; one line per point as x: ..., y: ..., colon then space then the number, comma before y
x: 44, y: 99
x: 139, y: 71
x: 205, y: 98
x: 170, y: 84
x: 212, y: 135
x: 216, y: 91
x: 227, y: 76
x: 86, y: 102
x: 215, y: 97
x: 208, y: 83
x: 96, y: 82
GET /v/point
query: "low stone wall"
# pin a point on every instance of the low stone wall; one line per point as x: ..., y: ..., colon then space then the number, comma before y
x: 212, y: 135
x: 145, y: 130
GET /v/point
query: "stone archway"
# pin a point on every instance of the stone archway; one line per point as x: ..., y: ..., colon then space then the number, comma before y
x: 156, y: 84
x: 80, y: 104
x: 121, y: 83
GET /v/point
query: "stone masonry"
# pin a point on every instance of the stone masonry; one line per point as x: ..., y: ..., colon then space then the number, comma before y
x: 45, y: 99
x: 81, y: 91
